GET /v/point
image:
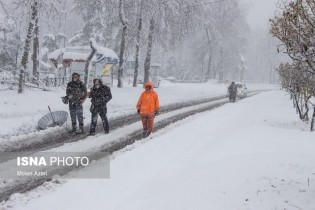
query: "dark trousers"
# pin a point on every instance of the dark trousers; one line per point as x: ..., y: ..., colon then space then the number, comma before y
x: 232, y: 96
x: 103, y: 115
x: 76, y: 113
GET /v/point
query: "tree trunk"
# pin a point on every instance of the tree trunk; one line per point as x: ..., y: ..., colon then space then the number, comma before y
x: 242, y: 74
x: 298, y: 108
x: 4, y: 46
x: 135, y: 76
x: 35, y: 52
x: 17, y: 58
x: 208, y: 73
x: 221, y: 66
x: 147, y: 62
x: 87, y: 64
x: 221, y: 76
x: 301, y: 104
x: 313, y: 119
x: 306, y: 100
x: 214, y: 75
x: 122, y: 44
x: 26, y: 49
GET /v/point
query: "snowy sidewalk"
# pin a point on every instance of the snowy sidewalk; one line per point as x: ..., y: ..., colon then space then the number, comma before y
x: 19, y: 114
x: 252, y: 154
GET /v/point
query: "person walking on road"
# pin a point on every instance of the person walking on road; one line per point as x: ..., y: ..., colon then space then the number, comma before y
x: 148, y: 107
x: 232, y: 90
x: 100, y: 95
x: 76, y: 93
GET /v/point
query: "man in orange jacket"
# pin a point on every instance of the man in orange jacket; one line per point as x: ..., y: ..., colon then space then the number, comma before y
x: 148, y: 106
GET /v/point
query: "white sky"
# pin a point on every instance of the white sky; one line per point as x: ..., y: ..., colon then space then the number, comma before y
x: 260, y: 11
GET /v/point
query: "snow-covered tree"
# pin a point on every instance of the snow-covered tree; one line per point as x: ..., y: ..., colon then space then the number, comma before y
x: 10, y: 44
x: 27, y: 43
x: 212, y: 45
x: 295, y: 28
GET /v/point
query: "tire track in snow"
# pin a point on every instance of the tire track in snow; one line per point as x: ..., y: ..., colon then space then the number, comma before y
x: 176, y: 114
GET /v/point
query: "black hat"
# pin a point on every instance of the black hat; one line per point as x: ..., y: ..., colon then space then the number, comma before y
x: 99, y: 80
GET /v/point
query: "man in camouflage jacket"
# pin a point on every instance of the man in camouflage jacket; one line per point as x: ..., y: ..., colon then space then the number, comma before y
x: 76, y: 92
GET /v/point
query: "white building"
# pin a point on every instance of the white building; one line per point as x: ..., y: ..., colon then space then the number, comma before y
x: 72, y: 59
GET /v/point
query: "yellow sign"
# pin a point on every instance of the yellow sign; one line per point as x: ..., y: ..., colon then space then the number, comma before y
x: 106, y: 68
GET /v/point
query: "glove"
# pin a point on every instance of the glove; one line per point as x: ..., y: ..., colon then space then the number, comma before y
x: 156, y: 112
x: 138, y: 111
x: 65, y: 99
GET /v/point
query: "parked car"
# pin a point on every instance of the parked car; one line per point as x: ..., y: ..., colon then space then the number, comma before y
x: 241, y: 90
x: 171, y: 79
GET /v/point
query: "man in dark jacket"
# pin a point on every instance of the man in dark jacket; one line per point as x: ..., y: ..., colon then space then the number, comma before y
x: 76, y: 92
x: 232, y: 90
x: 100, y: 95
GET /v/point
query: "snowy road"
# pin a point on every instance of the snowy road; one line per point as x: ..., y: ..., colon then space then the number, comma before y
x: 240, y: 156
x: 58, y: 136
x: 19, y: 113
x: 114, y: 141
x: 49, y: 139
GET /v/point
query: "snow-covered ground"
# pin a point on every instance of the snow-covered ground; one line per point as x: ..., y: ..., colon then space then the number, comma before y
x: 19, y: 114
x: 254, y: 154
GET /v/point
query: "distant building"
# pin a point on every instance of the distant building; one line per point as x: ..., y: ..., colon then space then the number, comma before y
x: 72, y: 59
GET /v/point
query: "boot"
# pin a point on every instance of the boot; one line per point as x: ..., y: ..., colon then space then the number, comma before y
x: 91, y: 133
x: 73, y: 130
x: 144, y: 134
x: 80, y: 131
x: 106, y: 129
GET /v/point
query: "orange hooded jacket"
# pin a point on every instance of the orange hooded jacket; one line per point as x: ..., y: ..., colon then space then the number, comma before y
x: 148, y: 102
